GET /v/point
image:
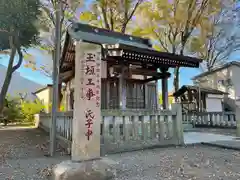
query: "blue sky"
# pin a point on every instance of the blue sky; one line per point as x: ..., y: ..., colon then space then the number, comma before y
x: 28, y: 73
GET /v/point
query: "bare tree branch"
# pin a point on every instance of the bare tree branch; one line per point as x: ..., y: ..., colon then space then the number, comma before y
x: 160, y: 41
x: 127, y: 19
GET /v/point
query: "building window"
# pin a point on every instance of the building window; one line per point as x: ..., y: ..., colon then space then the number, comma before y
x: 220, y: 82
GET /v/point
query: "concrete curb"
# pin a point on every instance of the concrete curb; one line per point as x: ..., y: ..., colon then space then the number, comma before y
x: 221, y: 146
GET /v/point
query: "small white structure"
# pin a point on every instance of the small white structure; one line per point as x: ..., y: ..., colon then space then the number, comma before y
x: 214, y: 102
x: 211, y: 100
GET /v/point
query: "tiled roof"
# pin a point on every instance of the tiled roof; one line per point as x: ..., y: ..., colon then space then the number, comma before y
x: 184, y: 88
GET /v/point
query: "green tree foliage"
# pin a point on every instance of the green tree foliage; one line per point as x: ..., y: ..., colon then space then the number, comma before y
x: 29, y: 109
x: 11, y: 111
x: 46, y: 24
x: 17, y: 31
x: 18, y: 110
x: 170, y: 99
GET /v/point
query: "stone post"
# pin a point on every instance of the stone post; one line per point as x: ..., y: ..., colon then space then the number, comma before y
x: 237, y: 117
x: 36, y: 120
x: 86, y: 161
x: 178, y: 125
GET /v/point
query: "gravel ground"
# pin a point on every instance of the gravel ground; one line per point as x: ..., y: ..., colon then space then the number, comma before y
x: 23, y: 158
x: 182, y: 163
x: 22, y: 154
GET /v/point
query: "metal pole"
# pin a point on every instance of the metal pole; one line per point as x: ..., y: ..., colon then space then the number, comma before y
x: 199, y: 98
x: 55, y: 77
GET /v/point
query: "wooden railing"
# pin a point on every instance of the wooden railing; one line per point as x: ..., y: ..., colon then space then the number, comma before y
x: 210, y: 119
x: 129, y: 130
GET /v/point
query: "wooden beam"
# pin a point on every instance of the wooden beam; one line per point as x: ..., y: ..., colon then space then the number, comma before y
x: 151, y: 79
x: 159, y: 76
x: 65, y: 75
x: 145, y: 72
x: 141, y: 71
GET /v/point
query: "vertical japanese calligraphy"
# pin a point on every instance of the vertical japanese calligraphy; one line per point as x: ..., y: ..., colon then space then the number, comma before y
x: 90, y: 76
x: 82, y: 66
x: 98, y: 82
x: 91, y: 82
x: 89, y: 115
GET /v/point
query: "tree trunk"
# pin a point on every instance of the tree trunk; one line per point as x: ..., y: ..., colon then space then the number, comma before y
x: 176, y: 79
x: 8, y: 78
x: 176, y: 71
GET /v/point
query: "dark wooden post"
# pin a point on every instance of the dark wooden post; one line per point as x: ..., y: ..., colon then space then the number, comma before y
x: 164, y: 88
x: 122, y: 89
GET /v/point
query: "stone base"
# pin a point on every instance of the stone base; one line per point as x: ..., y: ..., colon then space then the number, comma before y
x: 101, y: 169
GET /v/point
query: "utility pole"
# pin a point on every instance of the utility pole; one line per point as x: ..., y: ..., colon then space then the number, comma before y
x: 199, y: 98
x: 55, y: 76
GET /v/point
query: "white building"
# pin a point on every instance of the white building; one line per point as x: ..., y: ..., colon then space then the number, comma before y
x: 19, y: 85
x: 225, y: 78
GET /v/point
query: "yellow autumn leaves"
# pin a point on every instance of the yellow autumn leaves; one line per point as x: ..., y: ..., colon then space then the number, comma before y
x: 170, y: 22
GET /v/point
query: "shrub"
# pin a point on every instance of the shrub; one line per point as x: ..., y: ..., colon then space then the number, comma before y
x: 20, y: 110
x: 28, y: 109
x: 11, y: 111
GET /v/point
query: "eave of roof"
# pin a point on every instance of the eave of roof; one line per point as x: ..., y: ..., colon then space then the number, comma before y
x: 84, y: 32
x: 226, y: 65
x: 202, y: 89
x: 153, y: 55
x: 142, y: 46
x: 42, y: 89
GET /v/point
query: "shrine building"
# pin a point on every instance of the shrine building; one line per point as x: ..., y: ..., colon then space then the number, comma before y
x: 130, y: 68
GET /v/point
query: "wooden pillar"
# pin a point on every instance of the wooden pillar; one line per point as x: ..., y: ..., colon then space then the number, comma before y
x: 157, y: 95
x: 67, y: 94
x: 122, y: 90
x: 146, y: 94
x: 164, y: 89
x: 108, y: 100
x: 67, y: 99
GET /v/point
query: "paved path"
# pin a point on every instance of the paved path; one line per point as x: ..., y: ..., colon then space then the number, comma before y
x: 199, y: 137
x: 23, y: 158
x: 232, y: 144
x: 223, y: 131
